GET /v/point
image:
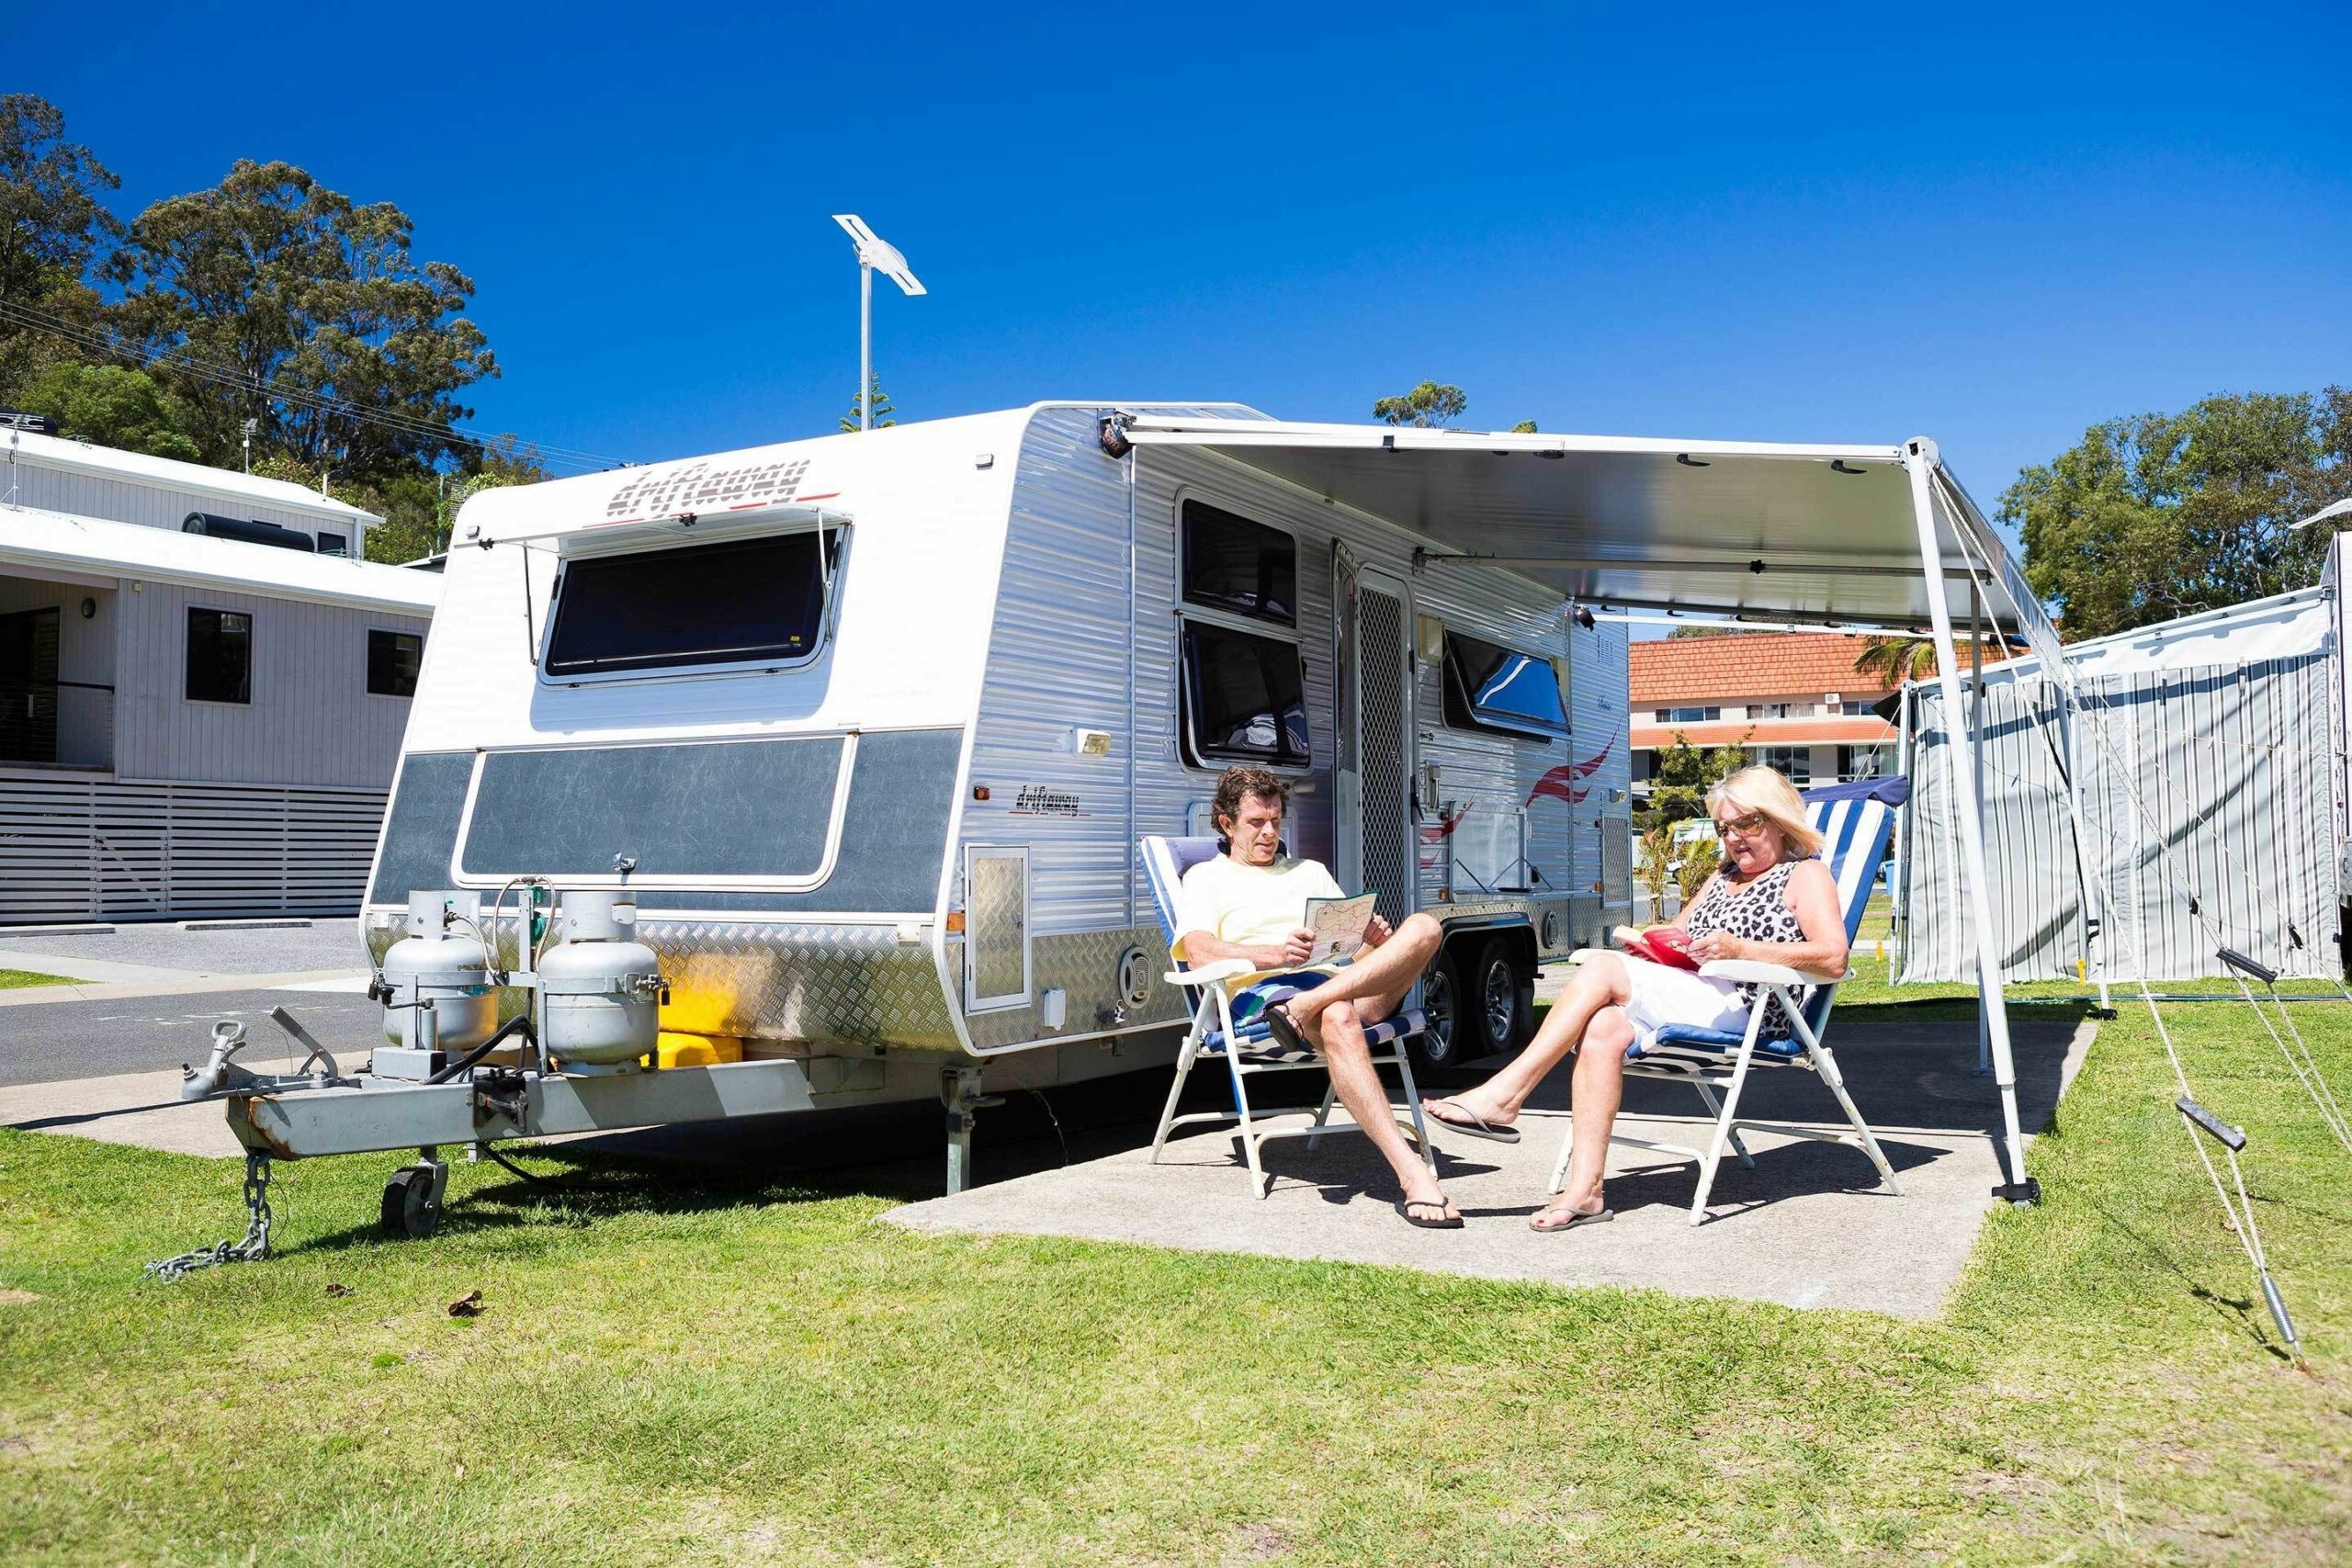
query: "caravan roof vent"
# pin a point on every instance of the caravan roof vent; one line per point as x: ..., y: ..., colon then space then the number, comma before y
x: 252, y: 530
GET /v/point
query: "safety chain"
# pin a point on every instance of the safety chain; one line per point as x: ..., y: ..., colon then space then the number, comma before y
x: 252, y: 1248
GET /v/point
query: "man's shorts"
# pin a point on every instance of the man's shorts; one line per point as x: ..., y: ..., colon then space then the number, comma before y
x: 1256, y: 997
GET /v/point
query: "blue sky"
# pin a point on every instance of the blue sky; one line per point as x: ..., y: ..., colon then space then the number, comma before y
x: 1993, y: 229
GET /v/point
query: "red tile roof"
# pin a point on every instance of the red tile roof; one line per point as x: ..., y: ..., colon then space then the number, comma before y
x: 1760, y: 666
x: 1842, y: 730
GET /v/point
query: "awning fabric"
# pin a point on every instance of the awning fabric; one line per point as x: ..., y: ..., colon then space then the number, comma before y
x: 1766, y: 530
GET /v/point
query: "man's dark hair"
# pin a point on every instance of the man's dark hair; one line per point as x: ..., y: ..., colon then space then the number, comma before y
x: 1236, y: 783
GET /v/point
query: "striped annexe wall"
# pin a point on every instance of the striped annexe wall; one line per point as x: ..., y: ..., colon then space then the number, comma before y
x: 82, y: 849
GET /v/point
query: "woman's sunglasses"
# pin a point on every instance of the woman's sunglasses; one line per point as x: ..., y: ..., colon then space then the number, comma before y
x: 1745, y: 825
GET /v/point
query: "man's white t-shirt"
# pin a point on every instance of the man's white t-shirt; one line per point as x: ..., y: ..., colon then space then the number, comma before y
x: 1249, y: 905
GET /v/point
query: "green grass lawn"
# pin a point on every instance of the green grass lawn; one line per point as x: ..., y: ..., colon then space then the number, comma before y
x: 671, y: 1372
x: 10, y: 979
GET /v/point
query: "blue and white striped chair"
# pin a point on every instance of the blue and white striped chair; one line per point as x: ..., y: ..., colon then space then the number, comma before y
x: 1856, y: 822
x: 1250, y: 1050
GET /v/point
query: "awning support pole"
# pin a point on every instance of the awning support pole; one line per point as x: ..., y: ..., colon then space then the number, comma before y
x: 1977, y: 761
x: 1919, y: 458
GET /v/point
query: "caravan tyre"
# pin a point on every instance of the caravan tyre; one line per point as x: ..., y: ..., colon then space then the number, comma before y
x: 1493, y: 1002
x: 1441, y: 1044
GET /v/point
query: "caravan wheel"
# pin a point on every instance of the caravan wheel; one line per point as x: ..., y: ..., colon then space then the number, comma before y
x: 1441, y: 1045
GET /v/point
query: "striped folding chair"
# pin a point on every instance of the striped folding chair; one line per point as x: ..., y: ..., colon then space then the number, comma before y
x: 1856, y: 822
x: 1250, y: 1050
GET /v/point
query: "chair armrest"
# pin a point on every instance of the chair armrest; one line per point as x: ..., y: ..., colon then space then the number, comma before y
x: 1749, y: 972
x: 1208, y: 974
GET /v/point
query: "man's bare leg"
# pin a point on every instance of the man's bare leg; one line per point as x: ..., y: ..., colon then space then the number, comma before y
x: 1393, y: 966
x: 1602, y: 983
x: 1349, y: 1060
x: 1599, y: 1089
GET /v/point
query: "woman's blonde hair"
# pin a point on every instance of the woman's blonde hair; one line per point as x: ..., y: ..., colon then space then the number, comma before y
x: 1765, y: 792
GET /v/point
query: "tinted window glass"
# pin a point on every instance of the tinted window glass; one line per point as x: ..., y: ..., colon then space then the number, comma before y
x: 1231, y: 563
x: 738, y: 603
x: 393, y: 659
x: 219, y: 656
x: 1491, y: 687
x: 1243, y: 698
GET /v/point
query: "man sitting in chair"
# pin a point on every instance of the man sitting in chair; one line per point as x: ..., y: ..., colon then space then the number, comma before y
x: 1249, y: 903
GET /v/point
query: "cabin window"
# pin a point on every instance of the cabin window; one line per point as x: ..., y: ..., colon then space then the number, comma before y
x: 333, y: 545
x: 1688, y: 715
x: 219, y: 656
x: 1240, y: 567
x: 1491, y: 687
x: 1244, y: 698
x: 393, y: 660
x: 737, y: 603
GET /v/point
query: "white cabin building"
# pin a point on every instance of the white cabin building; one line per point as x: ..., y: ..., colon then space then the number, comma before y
x: 192, y: 722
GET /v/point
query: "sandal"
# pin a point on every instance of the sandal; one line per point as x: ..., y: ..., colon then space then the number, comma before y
x: 1443, y: 1222
x: 1476, y: 1127
x: 1570, y: 1219
x: 1280, y: 1025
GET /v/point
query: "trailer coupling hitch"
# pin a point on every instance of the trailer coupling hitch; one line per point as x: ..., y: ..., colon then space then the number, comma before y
x: 219, y: 1075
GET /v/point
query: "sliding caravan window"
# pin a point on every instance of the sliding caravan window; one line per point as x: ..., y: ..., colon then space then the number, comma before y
x: 736, y: 603
x: 1244, y: 698
x: 1491, y: 687
x: 1239, y: 567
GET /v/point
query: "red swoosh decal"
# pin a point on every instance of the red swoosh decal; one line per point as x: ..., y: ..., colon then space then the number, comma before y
x: 1566, y: 784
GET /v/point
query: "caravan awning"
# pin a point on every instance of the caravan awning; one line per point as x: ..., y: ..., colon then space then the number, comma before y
x: 1776, y: 532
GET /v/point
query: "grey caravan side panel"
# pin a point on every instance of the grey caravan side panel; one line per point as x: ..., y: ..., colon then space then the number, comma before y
x: 1058, y: 664
x: 1481, y: 599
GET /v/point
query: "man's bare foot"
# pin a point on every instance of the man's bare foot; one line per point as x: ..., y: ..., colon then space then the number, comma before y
x: 1428, y: 1203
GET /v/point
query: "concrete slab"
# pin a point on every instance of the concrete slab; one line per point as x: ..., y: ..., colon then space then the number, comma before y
x: 1809, y: 1227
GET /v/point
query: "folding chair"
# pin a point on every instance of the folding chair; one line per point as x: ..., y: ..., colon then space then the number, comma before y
x: 1856, y: 822
x: 1250, y: 1050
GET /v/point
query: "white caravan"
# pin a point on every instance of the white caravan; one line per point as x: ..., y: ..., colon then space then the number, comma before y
x: 865, y: 729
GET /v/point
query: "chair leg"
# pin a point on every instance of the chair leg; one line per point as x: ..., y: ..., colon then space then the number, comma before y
x: 1413, y: 1103
x: 1826, y: 1065
x: 1723, y: 1122
x: 1259, y: 1184
x: 1715, y: 1108
x: 1322, y: 1114
x: 1184, y: 1059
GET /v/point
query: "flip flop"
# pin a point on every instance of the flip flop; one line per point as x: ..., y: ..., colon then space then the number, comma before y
x: 1279, y: 1025
x: 1476, y: 1127
x: 1574, y: 1217
x: 1405, y: 1210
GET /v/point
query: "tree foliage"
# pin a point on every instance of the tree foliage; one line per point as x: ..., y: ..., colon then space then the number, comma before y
x: 1432, y: 405
x: 53, y: 217
x: 882, y: 417
x: 1682, y: 774
x: 2167, y: 514
x: 273, y: 297
x: 114, y: 407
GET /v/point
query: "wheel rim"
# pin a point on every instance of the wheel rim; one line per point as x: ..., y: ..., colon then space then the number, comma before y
x: 1498, y: 1001
x: 1437, y: 1001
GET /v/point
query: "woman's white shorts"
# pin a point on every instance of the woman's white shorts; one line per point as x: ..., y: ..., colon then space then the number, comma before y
x: 1661, y: 996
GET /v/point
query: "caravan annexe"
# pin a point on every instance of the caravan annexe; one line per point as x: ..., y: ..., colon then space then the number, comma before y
x: 868, y: 729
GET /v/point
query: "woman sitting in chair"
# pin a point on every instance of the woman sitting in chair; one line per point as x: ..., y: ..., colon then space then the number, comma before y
x: 1772, y: 901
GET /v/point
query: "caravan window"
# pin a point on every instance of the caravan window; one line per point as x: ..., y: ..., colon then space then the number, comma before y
x: 1244, y: 698
x: 1233, y: 564
x: 742, y: 602
x: 1491, y: 687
